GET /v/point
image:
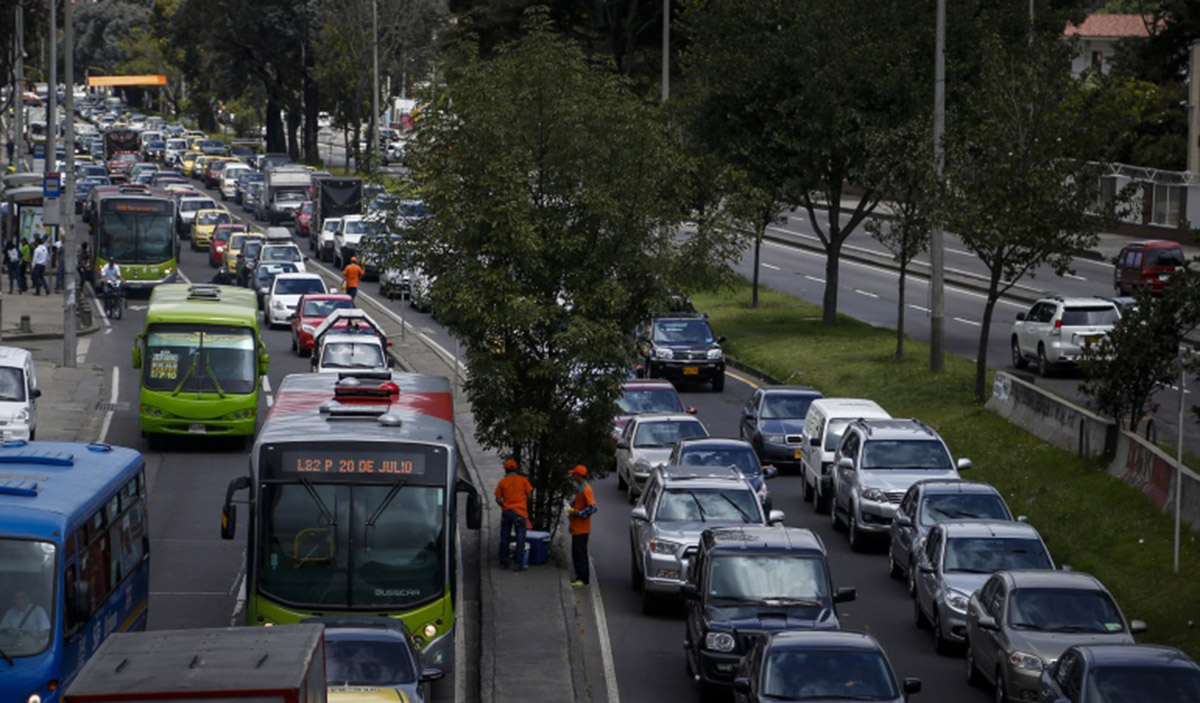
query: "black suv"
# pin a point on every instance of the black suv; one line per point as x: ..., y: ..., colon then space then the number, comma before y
x: 682, y: 346
x: 746, y: 582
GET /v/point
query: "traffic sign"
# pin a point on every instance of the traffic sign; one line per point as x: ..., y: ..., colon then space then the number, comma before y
x: 39, y: 150
x: 52, y: 184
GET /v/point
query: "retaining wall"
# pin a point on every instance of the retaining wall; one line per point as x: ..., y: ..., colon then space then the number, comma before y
x: 1053, y: 419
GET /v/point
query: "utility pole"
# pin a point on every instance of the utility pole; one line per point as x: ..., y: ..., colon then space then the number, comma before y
x: 68, y: 199
x: 19, y: 87
x: 373, y: 142
x: 1193, y: 111
x: 666, y: 51
x: 937, y: 252
x: 52, y: 93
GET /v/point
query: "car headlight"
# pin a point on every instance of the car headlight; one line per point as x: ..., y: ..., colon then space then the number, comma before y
x: 22, y: 415
x: 716, y: 354
x: 874, y: 495
x: 1025, y: 661
x: 277, y: 304
x: 773, y: 438
x: 663, y: 546
x: 957, y: 601
x: 662, y: 353
x: 719, y: 641
x: 641, y: 466
x: 308, y: 329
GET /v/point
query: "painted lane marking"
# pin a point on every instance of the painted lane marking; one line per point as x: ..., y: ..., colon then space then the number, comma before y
x: 773, y: 267
x: 866, y: 293
x: 112, y: 399
x: 814, y: 279
x: 968, y: 322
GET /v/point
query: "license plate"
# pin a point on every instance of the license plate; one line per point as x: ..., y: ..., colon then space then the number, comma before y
x: 197, y: 429
x: 1091, y: 339
x: 798, y: 453
x: 691, y: 370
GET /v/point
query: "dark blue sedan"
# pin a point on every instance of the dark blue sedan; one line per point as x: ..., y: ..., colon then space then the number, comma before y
x: 1121, y: 673
x: 773, y: 420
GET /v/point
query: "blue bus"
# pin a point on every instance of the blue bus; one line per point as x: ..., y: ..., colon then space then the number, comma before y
x: 74, y: 560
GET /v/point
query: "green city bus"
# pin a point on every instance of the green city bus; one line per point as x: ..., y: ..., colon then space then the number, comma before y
x: 200, y: 358
x: 353, y: 489
x: 135, y: 228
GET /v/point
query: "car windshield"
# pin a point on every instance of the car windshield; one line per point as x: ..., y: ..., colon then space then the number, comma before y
x: 28, y: 574
x: 986, y: 555
x: 353, y: 661
x: 763, y: 577
x: 195, y: 358
x: 352, y: 355
x: 1091, y: 315
x: 298, y: 286
x: 833, y: 433
x: 360, y: 545
x: 289, y: 197
x: 322, y: 308
x: 1163, y: 257
x: 682, y: 332
x: 281, y: 254
x: 330, y: 225
x: 743, y: 457
x: 832, y: 674
x: 12, y: 385
x: 666, y: 433
x: 905, y: 454
x: 252, y: 247
x: 708, y: 505
x: 193, y: 205
x: 962, y: 506
x: 412, y: 209
x: 1064, y: 610
x: 1144, y: 684
x: 364, y: 227
x: 213, y: 218
x: 635, y: 401
x: 786, y: 406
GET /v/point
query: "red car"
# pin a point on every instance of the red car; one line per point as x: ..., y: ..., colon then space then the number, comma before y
x: 311, y: 310
x: 304, y: 218
x: 220, y: 238
x: 118, y: 166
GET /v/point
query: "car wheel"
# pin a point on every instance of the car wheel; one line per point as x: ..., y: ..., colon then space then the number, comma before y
x: 807, y: 489
x: 911, y: 580
x: 857, y: 539
x: 295, y: 347
x: 718, y: 383
x: 919, y: 615
x: 941, y: 644
x: 894, y: 570
x: 621, y: 484
x: 635, y: 574
x: 974, y: 679
x: 820, y: 501
x: 1043, y: 362
x: 1001, y: 691
x: 834, y: 519
x: 1018, y: 359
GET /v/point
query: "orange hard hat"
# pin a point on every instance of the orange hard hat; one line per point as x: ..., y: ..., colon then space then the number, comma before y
x: 510, y: 465
x: 579, y: 470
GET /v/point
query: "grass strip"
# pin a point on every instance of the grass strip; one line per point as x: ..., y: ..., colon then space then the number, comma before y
x: 1090, y: 520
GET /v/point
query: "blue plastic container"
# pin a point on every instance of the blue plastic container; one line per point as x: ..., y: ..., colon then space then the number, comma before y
x: 537, y: 547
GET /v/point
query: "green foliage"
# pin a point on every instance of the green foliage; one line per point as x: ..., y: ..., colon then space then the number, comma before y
x: 551, y: 240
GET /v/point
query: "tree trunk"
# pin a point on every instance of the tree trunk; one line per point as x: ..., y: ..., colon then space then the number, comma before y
x: 312, y: 151
x: 829, y: 301
x: 293, y: 127
x: 758, y: 237
x: 275, y: 137
x: 900, y: 311
x: 981, y: 352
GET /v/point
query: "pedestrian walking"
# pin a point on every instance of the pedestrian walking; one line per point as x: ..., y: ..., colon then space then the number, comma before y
x: 41, y: 257
x: 9, y: 147
x: 512, y: 495
x: 580, y: 517
x: 350, y: 277
x: 60, y: 265
x: 83, y: 264
x: 26, y: 252
x: 12, y: 263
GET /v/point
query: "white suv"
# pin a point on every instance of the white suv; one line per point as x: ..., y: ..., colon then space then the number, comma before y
x: 1055, y: 331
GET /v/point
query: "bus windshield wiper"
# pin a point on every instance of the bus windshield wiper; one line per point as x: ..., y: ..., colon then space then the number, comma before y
x: 369, y: 526
x: 212, y: 375
x: 186, y: 376
x: 312, y: 493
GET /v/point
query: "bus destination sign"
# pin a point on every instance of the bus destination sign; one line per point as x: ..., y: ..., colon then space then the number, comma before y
x: 347, y: 463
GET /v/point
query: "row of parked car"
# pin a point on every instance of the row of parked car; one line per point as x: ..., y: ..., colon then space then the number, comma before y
x: 760, y: 600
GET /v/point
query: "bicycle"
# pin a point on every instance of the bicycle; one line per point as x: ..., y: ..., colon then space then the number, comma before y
x: 114, y: 301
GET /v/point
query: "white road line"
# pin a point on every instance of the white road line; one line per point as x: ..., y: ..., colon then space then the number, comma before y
x: 959, y: 251
x: 918, y: 307
x: 814, y: 279
x: 184, y: 276
x: 112, y: 398
x: 1176, y: 389
x: 866, y: 293
x: 98, y: 311
x: 1073, y: 276
x: 771, y: 266
x: 81, y: 349
x: 270, y: 400
x: 266, y: 384
x: 610, y: 671
x: 968, y: 322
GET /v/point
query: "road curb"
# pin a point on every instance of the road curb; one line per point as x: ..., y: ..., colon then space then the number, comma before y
x: 745, y: 368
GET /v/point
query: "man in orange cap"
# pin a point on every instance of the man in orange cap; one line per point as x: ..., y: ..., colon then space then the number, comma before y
x: 351, y: 275
x: 512, y: 495
x: 580, y: 517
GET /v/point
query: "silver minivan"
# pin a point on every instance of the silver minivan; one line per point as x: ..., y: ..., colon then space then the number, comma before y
x: 18, y: 394
x: 824, y: 424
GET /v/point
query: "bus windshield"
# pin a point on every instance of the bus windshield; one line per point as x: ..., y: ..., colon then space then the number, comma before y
x: 136, y: 234
x: 27, y: 580
x: 199, y: 358
x: 361, y: 545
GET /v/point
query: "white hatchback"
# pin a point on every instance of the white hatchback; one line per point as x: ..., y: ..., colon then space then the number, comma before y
x: 285, y: 293
x: 18, y: 394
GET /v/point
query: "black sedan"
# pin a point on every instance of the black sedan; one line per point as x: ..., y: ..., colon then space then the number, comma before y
x: 1129, y: 673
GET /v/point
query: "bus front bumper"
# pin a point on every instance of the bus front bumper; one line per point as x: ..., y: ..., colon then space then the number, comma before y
x: 156, y: 424
x: 145, y: 285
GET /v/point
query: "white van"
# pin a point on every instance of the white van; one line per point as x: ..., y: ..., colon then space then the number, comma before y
x: 827, y: 418
x: 18, y: 394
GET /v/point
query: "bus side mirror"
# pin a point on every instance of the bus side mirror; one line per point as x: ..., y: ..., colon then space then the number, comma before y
x: 474, y: 504
x: 81, y: 602
x: 229, y: 510
x: 264, y: 362
x: 137, y: 352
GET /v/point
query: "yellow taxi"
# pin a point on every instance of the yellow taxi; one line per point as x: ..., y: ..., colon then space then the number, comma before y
x: 188, y: 161
x: 365, y: 694
x: 206, y: 221
x: 233, y: 252
x: 194, y: 142
x: 199, y: 164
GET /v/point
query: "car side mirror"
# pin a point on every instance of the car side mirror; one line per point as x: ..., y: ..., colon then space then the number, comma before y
x: 846, y: 463
x: 1137, y: 627
x: 228, y: 521
x: 814, y: 441
x: 1020, y: 317
x: 964, y: 464
x: 903, y: 520
x: 622, y: 444
x: 770, y: 471
x: 775, y: 517
x: 81, y: 602
x: 689, y: 591
x: 639, y: 513
x: 721, y: 339
x: 1023, y: 518
x: 690, y: 410
x: 911, y: 686
x: 391, y: 361
x: 1116, y: 259
x: 37, y: 393
x: 741, y: 686
x: 845, y: 595
x: 987, y: 622
x: 431, y: 674
x: 264, y: 362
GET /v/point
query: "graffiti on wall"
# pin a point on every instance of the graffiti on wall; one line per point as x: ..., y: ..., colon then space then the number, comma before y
x: 1149, y: 472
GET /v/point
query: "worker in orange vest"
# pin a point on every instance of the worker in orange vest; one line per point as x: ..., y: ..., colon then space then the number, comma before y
x: 512, y: 495
x: 351, y: 275
x: 579, y: 514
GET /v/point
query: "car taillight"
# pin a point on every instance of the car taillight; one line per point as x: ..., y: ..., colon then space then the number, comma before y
x: 1057, y: 328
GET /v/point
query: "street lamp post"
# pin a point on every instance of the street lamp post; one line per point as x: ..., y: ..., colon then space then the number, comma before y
x: 19, y: 88
x: 937, y: 252
x: 68, y: 199
x: 373, y: 142
x: 52, y: 93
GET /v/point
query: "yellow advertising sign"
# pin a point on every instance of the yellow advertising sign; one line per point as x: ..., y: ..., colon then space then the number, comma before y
x: 109, y: 81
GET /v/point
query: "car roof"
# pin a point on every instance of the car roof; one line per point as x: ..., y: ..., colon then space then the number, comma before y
x: 297, y: 274
x: 1077, y: 300
x: 715, y: 442
x: 673, y: 473
x: 13, y: 356
x: 754, y: 538
x: 849, y: 407
x: 664, y: 417
x: 896, y: 428
x: 955, y: 486
x: 1044, y: 578
x: 800, y: 390
x: 823, y: 639
x: 647, y: 383
x: 1154, y: 243
x: 1129, y: 653
x: 1000, y: 529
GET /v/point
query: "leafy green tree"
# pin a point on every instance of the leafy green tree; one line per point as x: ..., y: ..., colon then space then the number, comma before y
x: 1014, y: 191
x: 1140, y: 356
x: 551, y: 240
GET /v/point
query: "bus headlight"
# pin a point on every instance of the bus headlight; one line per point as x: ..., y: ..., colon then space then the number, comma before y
x: 430, y: 630
x: 33, y: 698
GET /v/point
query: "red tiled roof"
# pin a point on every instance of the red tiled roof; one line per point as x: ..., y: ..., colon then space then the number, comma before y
x: 1109, y: 26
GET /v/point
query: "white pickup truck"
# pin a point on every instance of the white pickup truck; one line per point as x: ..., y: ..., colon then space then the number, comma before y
x: 349, y: 340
